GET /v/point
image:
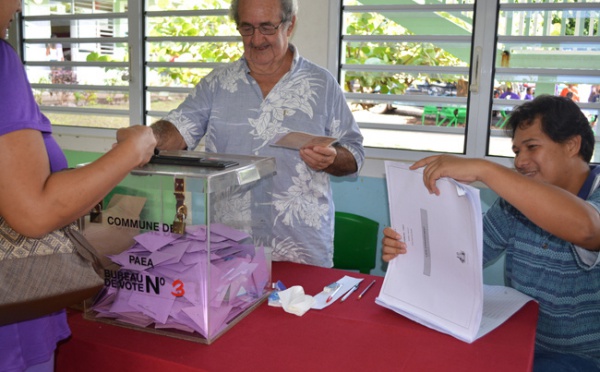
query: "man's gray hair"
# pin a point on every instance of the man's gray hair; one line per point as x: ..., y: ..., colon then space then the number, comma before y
x: 289, y: 8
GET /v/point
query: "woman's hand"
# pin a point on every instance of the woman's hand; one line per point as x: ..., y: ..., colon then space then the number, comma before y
x: 140, y: 139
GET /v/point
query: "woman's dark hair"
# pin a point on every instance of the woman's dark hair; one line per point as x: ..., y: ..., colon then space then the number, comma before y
x: 561, y: 119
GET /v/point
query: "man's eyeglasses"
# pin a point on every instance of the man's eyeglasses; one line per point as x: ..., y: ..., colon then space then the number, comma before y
x: 265, y: 29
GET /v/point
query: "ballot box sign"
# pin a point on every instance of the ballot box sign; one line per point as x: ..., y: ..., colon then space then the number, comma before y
x: 185, y: 249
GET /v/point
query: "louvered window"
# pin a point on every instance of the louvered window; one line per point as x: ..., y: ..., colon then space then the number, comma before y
x: 426, y: 76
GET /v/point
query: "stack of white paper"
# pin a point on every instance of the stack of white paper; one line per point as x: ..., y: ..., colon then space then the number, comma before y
x: 439, y: 282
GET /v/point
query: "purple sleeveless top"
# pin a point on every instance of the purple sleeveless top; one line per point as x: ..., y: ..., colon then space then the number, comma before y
x: 31, y: 342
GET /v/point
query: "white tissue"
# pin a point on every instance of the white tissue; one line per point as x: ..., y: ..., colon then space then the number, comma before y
x: 294, y: 301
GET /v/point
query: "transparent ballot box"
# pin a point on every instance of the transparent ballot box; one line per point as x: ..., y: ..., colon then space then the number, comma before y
x: 185, y: 247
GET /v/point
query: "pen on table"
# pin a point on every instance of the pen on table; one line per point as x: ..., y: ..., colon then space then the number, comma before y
x: 366, y: 289
x: 333, y: 294
x: 354, y: 288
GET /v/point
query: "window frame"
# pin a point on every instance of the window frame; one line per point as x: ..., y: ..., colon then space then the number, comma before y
x: 130, y: 89
x: 483, y: 70
x: 475, y: 135
x: 479, y: 100
x: 184, y: 39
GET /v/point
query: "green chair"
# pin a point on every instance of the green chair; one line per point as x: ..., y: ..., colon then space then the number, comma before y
x: 461, y: 115
x: 430, y: 111
x: 454, y: 116
x: 354, y: 242
x: 449, y: 114
x: 502, y: 122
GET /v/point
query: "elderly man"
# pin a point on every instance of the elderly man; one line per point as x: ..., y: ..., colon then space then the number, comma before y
x: 242, y: 107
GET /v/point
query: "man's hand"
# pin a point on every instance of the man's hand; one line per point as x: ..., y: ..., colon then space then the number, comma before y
x: 318, y: 157
x: 168, y: 136
x: 335, y: 160
x: 391, y: 246
x: 463, y: 170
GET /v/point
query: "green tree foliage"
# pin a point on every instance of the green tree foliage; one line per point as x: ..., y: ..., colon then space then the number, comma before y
x: 415, y: 54
x: 571, y: 24
x: 220, y: 52
x: 205, y: 26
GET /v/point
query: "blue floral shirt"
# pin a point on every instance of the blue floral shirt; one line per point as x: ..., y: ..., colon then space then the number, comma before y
x: 563, y: 278
x: 227, y: 109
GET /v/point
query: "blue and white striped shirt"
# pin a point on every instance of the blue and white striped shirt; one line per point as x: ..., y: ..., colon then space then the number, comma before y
x: 563, y: 278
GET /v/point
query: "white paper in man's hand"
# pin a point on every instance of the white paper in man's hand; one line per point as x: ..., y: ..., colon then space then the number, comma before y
x: 298, y: 140
x: 439, y: 281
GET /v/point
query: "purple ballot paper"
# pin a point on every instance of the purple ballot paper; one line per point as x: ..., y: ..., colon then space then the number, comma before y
x: 172, y: 281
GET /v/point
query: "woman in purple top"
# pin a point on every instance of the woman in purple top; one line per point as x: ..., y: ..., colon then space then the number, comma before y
x: 509, y: 94
x: 37, y: 194
x: 529, y: 94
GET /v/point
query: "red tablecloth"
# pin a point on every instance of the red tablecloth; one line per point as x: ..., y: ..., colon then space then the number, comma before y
x: 355, y: 335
